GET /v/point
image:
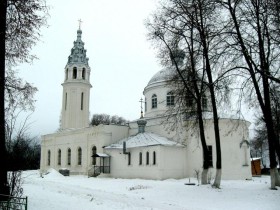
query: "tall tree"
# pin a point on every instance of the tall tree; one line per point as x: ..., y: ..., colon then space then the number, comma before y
x: 254, y: 38
x: 20, y: 22
x: 193, y: 21
x: 3, y: 171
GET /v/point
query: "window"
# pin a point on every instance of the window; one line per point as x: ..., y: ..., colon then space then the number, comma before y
x: 74, y: 73
x: 69, y: 157
x: 189, y: 100
x: 93, y: 152
x: 129, y: 159
x: 79, y: 156
x: 154, y: 101
x: 154, y: 158
x: 204, y: 102
x: 84, y: 73
x: 140, y: 158
x: 210, y: 150
x: 145, y: 104
x: 170, y: 99
x: 82, y: 101
x: 65, y: 101
x: 49, y: 157
x: 59, y: 157
x: 66, y: 76
x: 147, y: 158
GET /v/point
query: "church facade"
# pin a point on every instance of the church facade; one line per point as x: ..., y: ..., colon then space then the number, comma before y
x: 145, y: 148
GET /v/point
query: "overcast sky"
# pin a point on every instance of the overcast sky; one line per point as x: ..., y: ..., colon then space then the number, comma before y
x: 121, y: 58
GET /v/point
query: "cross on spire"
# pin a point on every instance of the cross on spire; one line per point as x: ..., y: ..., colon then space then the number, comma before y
x: 141, y: 101
x: 80, y: 23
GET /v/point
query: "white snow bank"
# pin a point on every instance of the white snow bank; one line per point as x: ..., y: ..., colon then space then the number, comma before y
x: 81, y: 192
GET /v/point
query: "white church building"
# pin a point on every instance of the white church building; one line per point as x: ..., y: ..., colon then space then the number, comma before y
x: 145, y: 148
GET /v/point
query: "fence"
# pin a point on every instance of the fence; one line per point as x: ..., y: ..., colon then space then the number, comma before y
x: 11, y: 203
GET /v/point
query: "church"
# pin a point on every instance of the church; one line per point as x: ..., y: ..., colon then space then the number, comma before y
x: 145, y: 148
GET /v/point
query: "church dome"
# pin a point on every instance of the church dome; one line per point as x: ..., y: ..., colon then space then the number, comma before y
x: 161, y: 76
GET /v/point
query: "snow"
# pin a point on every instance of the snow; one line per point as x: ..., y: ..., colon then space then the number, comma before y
x: 143, y: 140
x: 57, y: 192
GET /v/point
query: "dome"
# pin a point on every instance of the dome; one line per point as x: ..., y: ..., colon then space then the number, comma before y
x: 161, y: 76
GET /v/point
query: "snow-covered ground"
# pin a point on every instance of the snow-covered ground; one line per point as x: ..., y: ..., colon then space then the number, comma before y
x: 56, y: 192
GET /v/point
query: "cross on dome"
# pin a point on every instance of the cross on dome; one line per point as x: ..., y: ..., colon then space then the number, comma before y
x: 80, y: 23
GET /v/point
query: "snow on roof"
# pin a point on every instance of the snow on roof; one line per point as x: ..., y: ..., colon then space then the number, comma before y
x: 163, y: 75
x: 101, y: 155
x: 143, y: 140
x: 256, y: 158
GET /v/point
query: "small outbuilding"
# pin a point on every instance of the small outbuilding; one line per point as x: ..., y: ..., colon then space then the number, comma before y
x: 256, y: 166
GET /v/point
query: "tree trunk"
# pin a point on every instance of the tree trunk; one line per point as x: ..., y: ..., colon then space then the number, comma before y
x: 218, y: 178
x: 204, y: 176
x: 3, y: 163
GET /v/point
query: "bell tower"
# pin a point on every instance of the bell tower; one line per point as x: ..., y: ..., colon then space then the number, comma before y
x: 76, y: 88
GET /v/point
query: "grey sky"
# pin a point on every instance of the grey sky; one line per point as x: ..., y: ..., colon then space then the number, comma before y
x: 122, y: 61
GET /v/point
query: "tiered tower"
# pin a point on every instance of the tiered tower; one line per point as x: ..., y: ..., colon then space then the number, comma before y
x: 76, y: 88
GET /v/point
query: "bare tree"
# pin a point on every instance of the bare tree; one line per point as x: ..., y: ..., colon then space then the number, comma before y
x: 254, y: 38
x: 20, y: 22
x: 194, y: 22
x: 107, y: 119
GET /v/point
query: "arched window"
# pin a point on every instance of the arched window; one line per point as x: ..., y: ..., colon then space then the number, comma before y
x: 65, y: 101
x: 69, y: 157
x: 82, y: 101
x: 79, y: 156
x: 93, y: 155
x: 140, y: 158
x: 170, y: 99
x: 49, y: 157
x: 129, y: 159
x: 147, y: 158
x: 154, y: 101
x: 189, y: 100
x: 66, y: 74
x: 59, y: 157
x: 204, y: 102
x: 154, y: 158
x: 210, y: 155
x: 74, y: 73
x: 84, y: 73
x: 145, y: 104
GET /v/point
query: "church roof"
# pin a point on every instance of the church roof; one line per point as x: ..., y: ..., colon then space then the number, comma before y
x: 143, y: 140
x: 161, y: 76
x: 78, y: 52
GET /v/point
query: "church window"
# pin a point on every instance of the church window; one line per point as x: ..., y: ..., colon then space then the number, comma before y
x: 49, y: 157
x: 69, y: 156
x: 93, y: 155
x: 189, y: 100
x: 147, y: 158
x: 129, y: 158
x: 59, y: 157
x: 74, y: 73
x: 140, y: 158
x: 84, y: 73
x: 66, y: 76
x: 65, y: 101
x: 170, y: 99
x: 80, y: 156
x: 154, y: 101
x: 204, y: 102
x: 82, y: 101
x: 145, y: 104
x: 210, y: 153
x: 154, y: 158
